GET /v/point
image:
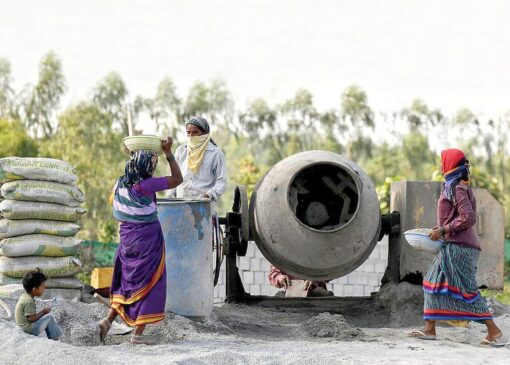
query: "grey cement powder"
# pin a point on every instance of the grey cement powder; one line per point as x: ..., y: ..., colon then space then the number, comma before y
x: 328, y: 325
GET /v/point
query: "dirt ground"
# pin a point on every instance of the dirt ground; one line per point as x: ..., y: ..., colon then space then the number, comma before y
x: 373, y: 332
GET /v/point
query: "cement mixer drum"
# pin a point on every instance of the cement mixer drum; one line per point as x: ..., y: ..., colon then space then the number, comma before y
x: 315, y: 215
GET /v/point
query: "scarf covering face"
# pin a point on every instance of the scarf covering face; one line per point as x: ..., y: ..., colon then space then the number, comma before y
x: 141, y: 166
x: 454, y: 171
x: 196, y: 150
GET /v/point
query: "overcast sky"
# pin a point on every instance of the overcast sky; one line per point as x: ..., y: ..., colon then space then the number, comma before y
x: 450, y: 53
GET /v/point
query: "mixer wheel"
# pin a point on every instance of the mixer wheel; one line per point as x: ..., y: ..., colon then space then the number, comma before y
x: 240, y: 206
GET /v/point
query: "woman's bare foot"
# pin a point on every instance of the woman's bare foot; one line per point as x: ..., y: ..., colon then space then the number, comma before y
x: 423, y: 335
x: 141, y: 340
x: 491, y: 337
x: 104, y: 327
x: 493, y: 332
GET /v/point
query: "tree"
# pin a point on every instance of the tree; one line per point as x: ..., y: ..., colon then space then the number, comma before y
x: 331, y: 124
x: 7, y: 104
x: 357, y: 113
x: 213, y: 102
x: 247, y: 173
x: 14, y: 140
x: 355, y: 108
x: 417, y: 161
x: 43, y: 99
x: 302, y: 120
x: 85, y: 138
x: 110, y: 95
x: 463, y: 120
x: 258, y: 120
x: 419, y: 116
x: 164, y: 108
x: 384, y: 163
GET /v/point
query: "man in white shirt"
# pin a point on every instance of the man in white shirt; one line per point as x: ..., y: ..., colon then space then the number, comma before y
x: 202, y: 164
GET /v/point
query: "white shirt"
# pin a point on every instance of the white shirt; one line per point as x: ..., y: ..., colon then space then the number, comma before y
x: 210, y: 178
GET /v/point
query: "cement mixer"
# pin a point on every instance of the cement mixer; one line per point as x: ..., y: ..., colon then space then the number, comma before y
x: 315, y: 215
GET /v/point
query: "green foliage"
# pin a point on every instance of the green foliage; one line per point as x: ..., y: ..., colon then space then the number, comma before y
x: 213, y: 101
x: 247, y: 173
x: 110, y: 96
x: 480, y: 179
x: 164, y: 108
x: 6, y: 92
x: 14, y: 140
x: 44, y: 98
x: 89, y: 134
x: 383, y: 193
x: 419, y: 160
x: 384, y: 163
x: 502, y: 296
x: 258, y: 120
x: 355, y: 107
x: 108, y: 231
x: 465, y: 117
x: 85, y: 275
x: 86, y: 139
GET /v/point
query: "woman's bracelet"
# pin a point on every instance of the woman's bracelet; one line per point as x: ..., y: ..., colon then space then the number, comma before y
x: 170, y: 158
x: 443, y: 231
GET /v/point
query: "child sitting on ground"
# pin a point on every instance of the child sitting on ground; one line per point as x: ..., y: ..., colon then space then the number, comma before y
x: 26, y: 316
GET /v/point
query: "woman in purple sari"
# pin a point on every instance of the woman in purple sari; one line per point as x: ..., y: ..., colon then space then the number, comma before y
x: 138, y: 289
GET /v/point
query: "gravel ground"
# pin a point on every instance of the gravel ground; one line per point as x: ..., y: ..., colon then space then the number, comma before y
x: 240, y: 334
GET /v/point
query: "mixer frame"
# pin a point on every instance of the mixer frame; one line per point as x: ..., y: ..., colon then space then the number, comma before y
x: 237, y: 235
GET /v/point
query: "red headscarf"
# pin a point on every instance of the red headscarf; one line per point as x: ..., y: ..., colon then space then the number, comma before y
x: 451, y: 158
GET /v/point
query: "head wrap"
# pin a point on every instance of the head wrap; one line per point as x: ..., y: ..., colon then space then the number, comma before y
x: 454, y: 169
x: 200, y: 123
x: 141, y: 166
x: 451, y: 158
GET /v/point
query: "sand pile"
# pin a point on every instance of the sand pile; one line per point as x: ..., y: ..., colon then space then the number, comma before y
x: 402, y: 304
x: 328, y: 325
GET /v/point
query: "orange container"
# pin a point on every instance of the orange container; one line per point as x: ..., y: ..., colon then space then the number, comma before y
x: 101, y: 277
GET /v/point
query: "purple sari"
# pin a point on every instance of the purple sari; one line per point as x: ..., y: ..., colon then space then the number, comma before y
x: 138, y: 289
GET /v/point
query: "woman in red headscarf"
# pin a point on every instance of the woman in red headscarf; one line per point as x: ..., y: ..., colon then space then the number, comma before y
x: 450, y: 289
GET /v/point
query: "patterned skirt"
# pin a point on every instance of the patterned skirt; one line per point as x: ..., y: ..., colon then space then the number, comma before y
x: 450, y: 288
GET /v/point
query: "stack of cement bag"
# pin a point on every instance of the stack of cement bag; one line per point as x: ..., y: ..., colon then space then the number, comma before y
x: 40, y: 210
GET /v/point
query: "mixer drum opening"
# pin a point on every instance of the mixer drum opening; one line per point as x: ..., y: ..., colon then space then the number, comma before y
x: 323, y: 196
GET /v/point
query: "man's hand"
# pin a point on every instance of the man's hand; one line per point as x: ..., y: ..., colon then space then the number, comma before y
x: 283, y: 281
x: 435, y: 234
x: 46, y: 310
x: 166, y: 145
x: 308, y: 285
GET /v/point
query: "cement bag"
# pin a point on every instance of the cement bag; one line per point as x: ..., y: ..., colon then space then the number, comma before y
x: 13, y: 209
x: 70, y: 282
x: 43, y: 191
x: 57, y: 267
x: 31, y: 168
x: 13, y: 228
x: 40, y: 245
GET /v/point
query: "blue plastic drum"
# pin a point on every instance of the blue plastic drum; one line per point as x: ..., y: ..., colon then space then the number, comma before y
x: 187, y: 228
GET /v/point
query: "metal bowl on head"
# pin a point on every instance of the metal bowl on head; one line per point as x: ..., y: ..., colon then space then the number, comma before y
x: 144, y: 142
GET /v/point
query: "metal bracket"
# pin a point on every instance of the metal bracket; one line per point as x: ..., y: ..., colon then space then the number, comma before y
x: 390, y: 225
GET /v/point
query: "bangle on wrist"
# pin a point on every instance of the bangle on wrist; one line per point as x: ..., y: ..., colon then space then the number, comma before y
x: 443, y: 231
x: 170, y: 158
